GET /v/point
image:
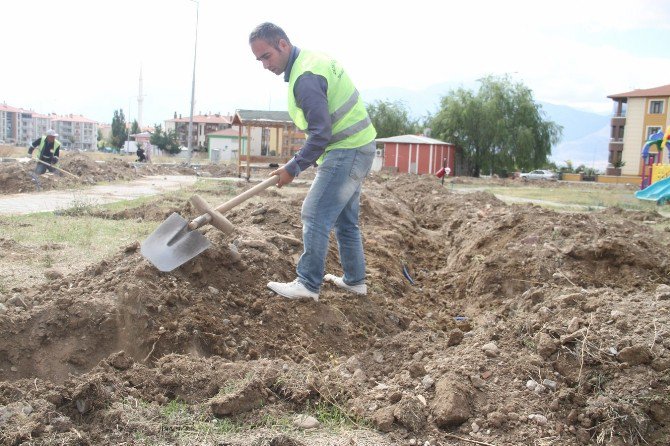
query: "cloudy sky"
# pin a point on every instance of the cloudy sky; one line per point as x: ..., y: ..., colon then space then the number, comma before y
x: 84, y: 57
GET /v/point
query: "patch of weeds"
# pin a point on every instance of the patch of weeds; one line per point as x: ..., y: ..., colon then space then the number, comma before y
x: 174, y: 409
x: 48, y: 261
x: 333, y: 415
x: 529, y: 343
x: 219, y: 426
x: 234, y: 385
x: 80, y: 207
x: 271, y: 421
x: 556, y: 234
x: 597, y: 382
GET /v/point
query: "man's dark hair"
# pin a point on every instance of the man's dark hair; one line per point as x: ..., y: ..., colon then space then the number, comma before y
x: 270, y: 33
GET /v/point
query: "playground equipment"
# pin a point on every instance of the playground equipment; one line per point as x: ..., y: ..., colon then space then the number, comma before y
x: 655, y: 183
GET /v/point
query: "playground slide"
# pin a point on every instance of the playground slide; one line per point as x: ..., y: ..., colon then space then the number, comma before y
x: 658, y: 192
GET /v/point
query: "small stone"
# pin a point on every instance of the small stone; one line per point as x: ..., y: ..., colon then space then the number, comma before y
x: 635, y: 355
x: 539, y: 419
x: 663, y: 292
x: 305, y: 422
x: 617, y: 314
x: 427, y: 382
x: 531, y: 384
x: 550, y: 384
x: 573, y: 326
x: 477, y: 382
x: 359, y: 375
x: 490, y: 349
x: 455, y: 337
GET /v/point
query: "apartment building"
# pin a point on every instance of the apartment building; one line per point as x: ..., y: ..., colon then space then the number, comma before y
x: 636, y: 115
x: 76, y: 132
x: 8, y: 124
x: 203, y: 125
x: 21, y: 127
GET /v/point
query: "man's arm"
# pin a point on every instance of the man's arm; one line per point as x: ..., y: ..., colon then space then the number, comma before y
x: 33, y: 146
x: 310, y: 93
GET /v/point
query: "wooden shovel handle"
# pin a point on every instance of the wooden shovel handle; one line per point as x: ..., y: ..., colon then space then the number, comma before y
x: 57, y: 168
x: 228, y: 205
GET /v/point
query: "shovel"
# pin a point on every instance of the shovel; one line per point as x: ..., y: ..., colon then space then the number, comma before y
x: 176, y: 241
x: 57, y: 168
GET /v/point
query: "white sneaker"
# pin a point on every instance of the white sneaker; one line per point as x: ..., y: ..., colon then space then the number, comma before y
x: 361, y: 289
x: 293, y: 290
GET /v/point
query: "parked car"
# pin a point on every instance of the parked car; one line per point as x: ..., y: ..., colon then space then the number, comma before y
x: 539, y: 174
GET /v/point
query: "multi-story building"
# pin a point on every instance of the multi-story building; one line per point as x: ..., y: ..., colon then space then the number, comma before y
x: 21, y: 127
x: 203, y: 125
x: 76, y: 132
x: 637, y: 115
x: 9, y: 117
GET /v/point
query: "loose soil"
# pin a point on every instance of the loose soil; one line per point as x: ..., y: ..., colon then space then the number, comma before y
x: 20, y: 177
x: 484, y: 323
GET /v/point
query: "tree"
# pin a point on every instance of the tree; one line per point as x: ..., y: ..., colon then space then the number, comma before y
x: 166, y: 141
x: 135, y: 128
x: 500, y: 127
x: 119, y: 131
x: 391, y: 119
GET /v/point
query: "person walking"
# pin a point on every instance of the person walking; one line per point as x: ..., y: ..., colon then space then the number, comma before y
x: 323, y: 102
x: 48, y: 151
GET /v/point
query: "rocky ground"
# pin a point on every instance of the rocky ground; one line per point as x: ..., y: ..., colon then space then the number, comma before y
x: 485, y: 323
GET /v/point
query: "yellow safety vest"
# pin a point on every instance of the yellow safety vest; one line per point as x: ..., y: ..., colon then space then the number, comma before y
x: 351, y: 125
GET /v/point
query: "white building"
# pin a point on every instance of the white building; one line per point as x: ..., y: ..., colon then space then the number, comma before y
x: 22, y: 127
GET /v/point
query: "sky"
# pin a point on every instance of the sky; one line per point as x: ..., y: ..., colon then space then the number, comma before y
x: 84, y: 57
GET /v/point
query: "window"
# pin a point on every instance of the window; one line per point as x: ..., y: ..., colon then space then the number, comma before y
x: 621, y: 131
x: 655, y: 107
x: 652, y: 130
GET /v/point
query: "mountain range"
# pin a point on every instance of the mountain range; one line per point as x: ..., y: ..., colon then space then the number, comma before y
x: 585, y: 135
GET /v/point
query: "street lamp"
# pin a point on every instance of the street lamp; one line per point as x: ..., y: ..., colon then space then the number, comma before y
x: 195, y: 52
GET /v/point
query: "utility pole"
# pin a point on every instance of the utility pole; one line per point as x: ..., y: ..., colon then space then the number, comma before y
x: 195, y: 52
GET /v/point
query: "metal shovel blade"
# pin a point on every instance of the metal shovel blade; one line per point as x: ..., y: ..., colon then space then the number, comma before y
x: 172, y: 244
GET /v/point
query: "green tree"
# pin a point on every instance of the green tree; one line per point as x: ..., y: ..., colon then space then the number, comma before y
x: 135, y: 128
x: 166, y: 141
x: 500, y: 127
x: 392, y: 119
x: 119, y: 131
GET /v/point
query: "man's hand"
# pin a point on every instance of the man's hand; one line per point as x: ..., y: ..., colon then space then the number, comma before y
x: 54, y: 159
x: 284, y: 176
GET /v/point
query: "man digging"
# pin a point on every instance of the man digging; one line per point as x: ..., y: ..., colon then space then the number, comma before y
x: 324, y: 102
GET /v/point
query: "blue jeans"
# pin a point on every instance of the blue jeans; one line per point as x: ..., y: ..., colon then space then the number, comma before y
x: 42, y: 168
x: 333, y: 202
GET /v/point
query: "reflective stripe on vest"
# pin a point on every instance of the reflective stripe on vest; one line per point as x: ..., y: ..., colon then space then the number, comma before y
x: 351, y: 125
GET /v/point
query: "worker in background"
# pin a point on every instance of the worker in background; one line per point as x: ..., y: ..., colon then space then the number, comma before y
x: 48, y: 151
x: 141, y: 157
x: 323, y: 102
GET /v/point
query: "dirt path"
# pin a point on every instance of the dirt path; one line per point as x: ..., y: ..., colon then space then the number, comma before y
x: 21, y: 204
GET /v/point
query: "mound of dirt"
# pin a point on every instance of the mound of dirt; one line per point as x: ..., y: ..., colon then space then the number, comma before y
x: 84, y: 170
x: 488, y: 322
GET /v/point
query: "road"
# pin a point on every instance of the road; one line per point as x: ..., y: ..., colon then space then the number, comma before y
x: 28, y: 203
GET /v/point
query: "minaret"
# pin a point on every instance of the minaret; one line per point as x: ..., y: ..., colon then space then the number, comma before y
x: 140, y: 99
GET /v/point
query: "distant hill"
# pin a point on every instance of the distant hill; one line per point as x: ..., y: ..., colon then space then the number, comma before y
x: 585, y: 135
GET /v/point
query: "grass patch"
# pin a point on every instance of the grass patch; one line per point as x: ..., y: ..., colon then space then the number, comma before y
x: 591, y: 198
x: 78, y: 230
